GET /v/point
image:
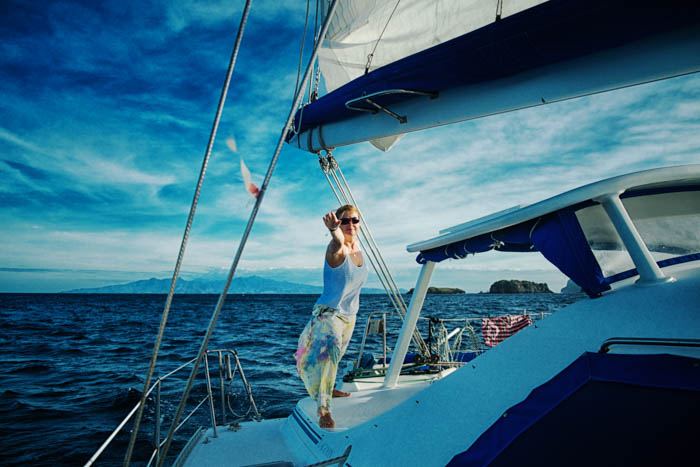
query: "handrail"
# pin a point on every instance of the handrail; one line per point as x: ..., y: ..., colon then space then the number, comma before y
x: 368, y: 98
x: 225, y: 374
x: 653, y: 341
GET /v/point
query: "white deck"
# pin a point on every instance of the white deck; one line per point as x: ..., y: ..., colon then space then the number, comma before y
x: 253, y: 443
x: 279, y: 440
x: 349, y: 412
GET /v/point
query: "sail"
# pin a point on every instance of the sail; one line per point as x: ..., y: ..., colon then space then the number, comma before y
x: 393, y: 68
x: 365, y: 35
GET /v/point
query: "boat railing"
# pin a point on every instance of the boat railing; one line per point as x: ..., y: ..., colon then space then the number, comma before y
x: 373, y: 326
x: 226, y: 373
x: 451, y: 342
x: 648, y: 341
x: 472, y: 325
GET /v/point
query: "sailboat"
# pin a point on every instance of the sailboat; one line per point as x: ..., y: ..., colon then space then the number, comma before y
x: 614, y: 379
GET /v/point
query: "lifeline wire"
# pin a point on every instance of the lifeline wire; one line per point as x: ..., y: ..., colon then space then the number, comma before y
x: 251, y: 220
x: 303, y: 39
x: 183, y: 245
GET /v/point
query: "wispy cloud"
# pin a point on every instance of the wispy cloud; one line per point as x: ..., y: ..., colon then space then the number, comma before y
x: 107, y: 110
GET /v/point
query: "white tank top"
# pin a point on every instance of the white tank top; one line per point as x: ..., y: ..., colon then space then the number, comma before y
x: 342, y: 285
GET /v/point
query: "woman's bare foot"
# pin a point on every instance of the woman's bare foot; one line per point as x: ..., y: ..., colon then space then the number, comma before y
x: 326, y: 421
x: 337, y: 393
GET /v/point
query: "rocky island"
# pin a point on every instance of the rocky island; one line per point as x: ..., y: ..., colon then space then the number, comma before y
x: 515, y: 286
x: 571, y: 287
x: 441, y: 290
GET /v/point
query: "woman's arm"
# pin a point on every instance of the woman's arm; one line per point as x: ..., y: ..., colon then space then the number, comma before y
x: 335, y: 253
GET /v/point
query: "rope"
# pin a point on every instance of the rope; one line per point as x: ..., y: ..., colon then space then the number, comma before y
x: 371, y: 55
x: 342, y: 192
x: 183, y: 245
x: 244, y: 239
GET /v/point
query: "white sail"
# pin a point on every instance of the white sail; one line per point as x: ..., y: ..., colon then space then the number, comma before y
x: 367, y: 34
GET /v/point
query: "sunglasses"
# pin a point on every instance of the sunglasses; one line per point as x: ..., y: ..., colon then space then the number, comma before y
x: 347, y: 220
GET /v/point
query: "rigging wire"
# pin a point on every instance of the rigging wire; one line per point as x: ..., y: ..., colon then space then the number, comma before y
x: 371, y: 55
x: 342, y: 192
x: 313, y: 93
x: 499, y: 10
x: 244, y: 238
x: 298, y: 89
x: 301, y: 49
x: 183, y: 245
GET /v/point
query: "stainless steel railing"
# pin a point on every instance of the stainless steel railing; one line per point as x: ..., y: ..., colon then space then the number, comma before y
x: 445, y: 346
x: 226, y: 374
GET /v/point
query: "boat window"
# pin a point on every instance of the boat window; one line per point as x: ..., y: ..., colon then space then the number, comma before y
x: 605, y: 243
x: 669, y: 224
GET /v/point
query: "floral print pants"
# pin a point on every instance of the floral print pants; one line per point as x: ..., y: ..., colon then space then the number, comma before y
x: 321, y: 346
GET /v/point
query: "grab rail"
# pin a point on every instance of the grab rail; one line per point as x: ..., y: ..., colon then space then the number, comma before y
x: 352, y: 104
x: 654, y: 341
x: 225, y: 375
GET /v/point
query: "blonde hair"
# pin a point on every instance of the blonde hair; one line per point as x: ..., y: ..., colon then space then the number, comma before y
x: 347, y: 207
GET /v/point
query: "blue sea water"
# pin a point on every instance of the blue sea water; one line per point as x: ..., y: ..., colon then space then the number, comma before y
x: 74, y: 365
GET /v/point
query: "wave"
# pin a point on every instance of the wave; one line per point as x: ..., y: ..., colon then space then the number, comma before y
x: 31, y: 368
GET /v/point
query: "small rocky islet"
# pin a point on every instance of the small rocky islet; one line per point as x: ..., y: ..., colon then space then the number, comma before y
x: 516, y: 286
x: 441, y: 290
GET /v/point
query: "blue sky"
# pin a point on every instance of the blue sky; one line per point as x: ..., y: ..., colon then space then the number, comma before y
x: 106, y: 112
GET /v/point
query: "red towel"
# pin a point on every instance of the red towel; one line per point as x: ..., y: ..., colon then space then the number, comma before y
x: 499, y: 328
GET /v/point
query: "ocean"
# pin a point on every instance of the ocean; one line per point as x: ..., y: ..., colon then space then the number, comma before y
x: 73, y: 365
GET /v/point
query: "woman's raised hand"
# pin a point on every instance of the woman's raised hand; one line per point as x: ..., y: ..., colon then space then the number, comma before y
x: 331, y: 221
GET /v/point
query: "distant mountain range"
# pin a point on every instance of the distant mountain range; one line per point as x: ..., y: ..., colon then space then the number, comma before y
x: 240, y: 285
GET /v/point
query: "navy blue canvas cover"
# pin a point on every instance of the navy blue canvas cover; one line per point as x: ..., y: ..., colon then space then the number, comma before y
x: 600, y: 410
x: 558, y: 237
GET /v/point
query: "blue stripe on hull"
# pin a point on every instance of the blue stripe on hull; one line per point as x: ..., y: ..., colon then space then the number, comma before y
x: 313, y: 436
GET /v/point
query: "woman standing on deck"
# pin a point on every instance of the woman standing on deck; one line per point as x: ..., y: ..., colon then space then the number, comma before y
x: 327, y: 335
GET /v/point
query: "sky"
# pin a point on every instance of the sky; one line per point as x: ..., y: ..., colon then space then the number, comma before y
x: 105, y: 113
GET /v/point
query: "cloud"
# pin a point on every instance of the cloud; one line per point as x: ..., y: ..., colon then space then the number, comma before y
x: 12, y: 138
x: 101, y: 155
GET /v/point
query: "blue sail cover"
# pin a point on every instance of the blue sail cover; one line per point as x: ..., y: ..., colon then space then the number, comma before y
x: 546, y: 34
x: 558, y: 236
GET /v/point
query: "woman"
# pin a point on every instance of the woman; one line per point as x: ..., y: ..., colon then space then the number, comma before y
x: 326, y: 336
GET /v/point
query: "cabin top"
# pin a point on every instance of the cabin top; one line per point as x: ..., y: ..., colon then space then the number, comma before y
x: 596, y: 234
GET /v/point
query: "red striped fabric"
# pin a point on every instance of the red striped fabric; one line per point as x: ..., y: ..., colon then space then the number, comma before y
x: 499, y: 328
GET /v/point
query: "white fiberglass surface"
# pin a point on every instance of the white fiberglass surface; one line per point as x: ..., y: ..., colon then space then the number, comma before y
x: 363, y: 406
